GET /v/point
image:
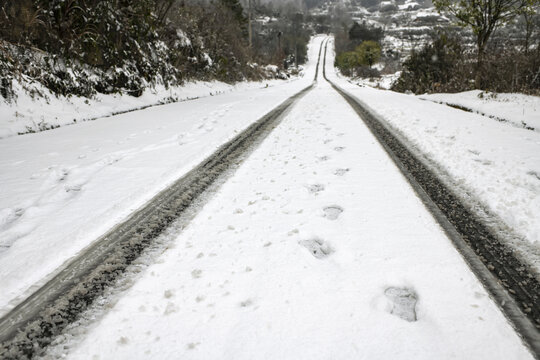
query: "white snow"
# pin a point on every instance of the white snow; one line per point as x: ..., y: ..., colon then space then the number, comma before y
x: 185, y: 41
x: 62, y: 189
x: 39, y: 113
x: 316, y: 248
x: 519, y: 109
x: 499, y: 164
x: 264, y: 273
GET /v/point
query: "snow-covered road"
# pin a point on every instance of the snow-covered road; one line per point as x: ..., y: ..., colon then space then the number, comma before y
x: 300, y: 255
x: 62, y: 189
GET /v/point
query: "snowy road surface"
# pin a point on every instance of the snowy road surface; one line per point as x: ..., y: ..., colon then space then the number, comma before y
x: 498, y: 163
x: 302, y: 254
x: 62, y: 189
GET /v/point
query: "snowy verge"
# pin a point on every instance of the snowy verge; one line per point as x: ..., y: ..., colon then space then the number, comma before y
x: 382, y: 82
x: 516, y: 109
x: 32, y: 113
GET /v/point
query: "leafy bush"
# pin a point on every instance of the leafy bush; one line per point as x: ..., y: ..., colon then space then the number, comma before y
x: 352, y: 63
x: 347, y: 61
x: 369, y: 52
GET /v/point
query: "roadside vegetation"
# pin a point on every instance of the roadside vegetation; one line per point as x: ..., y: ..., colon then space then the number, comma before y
x: 504, y: 61
x: 358, y: 49
x: 84, y: 47
x: 485, y: 45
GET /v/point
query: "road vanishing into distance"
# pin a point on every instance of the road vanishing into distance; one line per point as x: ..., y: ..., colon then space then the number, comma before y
x: 308, y: 229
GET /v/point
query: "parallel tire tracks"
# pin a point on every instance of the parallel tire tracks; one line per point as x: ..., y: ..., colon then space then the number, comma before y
x: 31, y: 326
x: 509, y: 281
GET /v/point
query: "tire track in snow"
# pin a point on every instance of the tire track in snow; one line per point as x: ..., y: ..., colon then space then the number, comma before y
x: 32, y: 325
x: 511, y: 284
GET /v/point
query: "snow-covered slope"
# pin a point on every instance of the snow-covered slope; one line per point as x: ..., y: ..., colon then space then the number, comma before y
x: 518, y: 109
x: 34, y: 114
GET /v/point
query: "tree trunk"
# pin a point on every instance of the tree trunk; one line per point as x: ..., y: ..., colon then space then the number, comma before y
x: 479, y: 71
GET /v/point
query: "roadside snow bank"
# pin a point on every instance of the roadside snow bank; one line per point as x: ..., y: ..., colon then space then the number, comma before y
x: 516, y: 109
x: 382, y: 82
x: 34, y: 114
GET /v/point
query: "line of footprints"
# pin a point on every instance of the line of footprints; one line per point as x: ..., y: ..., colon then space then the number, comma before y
x: 401, y: 301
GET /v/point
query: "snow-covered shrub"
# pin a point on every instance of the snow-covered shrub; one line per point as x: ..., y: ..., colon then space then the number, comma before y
x: 6, y: 78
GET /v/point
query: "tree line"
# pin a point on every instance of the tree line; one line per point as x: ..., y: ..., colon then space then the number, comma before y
x: 81, y: 47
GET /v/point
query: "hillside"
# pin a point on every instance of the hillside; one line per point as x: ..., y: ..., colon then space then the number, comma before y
x: 79, y: 60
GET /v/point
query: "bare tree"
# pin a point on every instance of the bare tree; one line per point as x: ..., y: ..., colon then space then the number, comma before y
x: 483, y: 17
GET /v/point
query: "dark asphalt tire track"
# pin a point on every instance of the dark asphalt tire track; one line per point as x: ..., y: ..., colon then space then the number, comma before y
x: 31, y: 326
x: 509, y: 281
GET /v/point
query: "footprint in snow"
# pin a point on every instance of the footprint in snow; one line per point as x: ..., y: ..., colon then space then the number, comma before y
x: 534, y: 174
x: 323, y: 158
x: 61, y: 175
x: 317, y: 247
x: 341, y: 172
x: 246, y: 303
x: 9, y: 215
x: 332, y: 212
x: 483, y: 162
x: 73, y: 188
x: 339, y: 148
x: 196, y: 274
x: 402, y: 302
x: 111, y: 159
x: 315, y: 188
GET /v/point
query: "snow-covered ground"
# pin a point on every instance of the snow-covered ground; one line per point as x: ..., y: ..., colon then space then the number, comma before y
x: 33, y: 114
x: 384, y: 82
x: 62, y: 189
x: 518, y: 109
x: 317, y: 248
x: 495, y: 162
